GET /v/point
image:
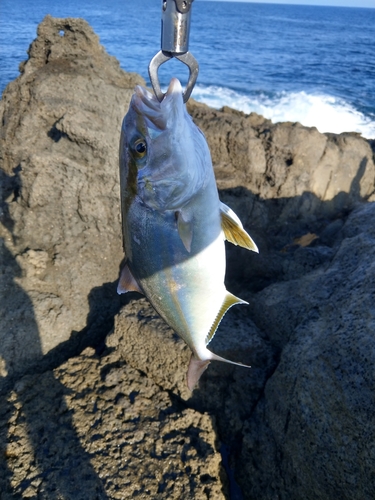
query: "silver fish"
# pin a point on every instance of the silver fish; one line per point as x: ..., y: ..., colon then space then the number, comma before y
x: 173, y: 222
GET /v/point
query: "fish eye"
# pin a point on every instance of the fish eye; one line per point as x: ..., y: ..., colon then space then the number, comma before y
x: 140, y: 148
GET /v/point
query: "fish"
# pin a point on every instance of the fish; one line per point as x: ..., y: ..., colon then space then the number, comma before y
x: 173, y: 222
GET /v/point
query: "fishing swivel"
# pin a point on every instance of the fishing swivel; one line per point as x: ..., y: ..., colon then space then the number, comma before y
x: 175, y: 30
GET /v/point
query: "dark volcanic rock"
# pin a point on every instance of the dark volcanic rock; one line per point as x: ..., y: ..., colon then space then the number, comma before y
x: 301, y: 421
x: 121, y: 423
x: 146, y: 343
x: 311, y: 435
x: 98, y: 429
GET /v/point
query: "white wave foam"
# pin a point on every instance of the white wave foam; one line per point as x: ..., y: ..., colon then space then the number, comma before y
x: 326, y: 113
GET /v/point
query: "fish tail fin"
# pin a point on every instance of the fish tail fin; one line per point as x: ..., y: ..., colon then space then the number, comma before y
x: 215, y: 357
x: 195, y: 370
x: 198, y: 366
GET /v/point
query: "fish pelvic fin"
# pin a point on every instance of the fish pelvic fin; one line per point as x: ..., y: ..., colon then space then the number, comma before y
x: 195, y: 370
x: 229, y: 301
x: 127, y: 282
x: 233, y: 229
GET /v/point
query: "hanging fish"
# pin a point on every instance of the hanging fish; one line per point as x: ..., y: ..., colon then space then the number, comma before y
x: 173, y: 222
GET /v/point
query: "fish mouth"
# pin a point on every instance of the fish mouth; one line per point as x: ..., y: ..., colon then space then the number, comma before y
x: 174, y: 89
x: 158, y: 115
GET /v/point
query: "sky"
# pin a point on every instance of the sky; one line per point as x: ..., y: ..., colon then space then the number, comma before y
x: 334, y: 3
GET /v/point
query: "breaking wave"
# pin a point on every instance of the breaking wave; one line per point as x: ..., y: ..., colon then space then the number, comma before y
x: 326, y: 113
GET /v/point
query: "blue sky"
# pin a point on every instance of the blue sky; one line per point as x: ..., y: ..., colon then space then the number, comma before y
x: 335, y: 3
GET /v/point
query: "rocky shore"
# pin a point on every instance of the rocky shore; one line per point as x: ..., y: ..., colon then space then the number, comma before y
x: 92, y: 385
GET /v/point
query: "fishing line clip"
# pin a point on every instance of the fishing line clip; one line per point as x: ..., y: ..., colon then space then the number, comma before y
x: 175, y: 30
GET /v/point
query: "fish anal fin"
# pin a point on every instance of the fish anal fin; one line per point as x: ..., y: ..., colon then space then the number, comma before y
x: 229, y: 301
x: 233, y: 229
x: 185, y: 230
x: 195, y: 370
x: 127, y: 282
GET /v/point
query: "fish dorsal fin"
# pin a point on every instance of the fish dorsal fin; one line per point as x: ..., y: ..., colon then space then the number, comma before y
x: 233, y: 229
x: 185, y: 229
x: 127, y: 282
x: 229, y: 301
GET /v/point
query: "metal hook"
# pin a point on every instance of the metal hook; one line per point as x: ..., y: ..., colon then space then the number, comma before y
x: 162, y: 57
x: 175, y: 32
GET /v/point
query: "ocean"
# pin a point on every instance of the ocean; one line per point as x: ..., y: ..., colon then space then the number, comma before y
x: 311, y: 64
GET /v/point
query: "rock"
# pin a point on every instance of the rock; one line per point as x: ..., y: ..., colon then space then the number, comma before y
x: 298, y: 424
x: 311, y: 434
x: 61, y: 123
x: 301, y: 421
x: 285, y: 161
x: 147, y: 344
x: 97, y: 428
x: 284, y: 180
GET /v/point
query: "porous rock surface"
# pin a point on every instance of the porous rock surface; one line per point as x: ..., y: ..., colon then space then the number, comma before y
x: 116, y: 420
x: 96, y: 429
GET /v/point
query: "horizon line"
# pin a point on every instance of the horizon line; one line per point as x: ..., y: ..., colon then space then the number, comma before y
x: 320, y: 3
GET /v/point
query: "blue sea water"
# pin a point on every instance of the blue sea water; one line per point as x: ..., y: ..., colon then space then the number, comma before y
x: 311, y: 64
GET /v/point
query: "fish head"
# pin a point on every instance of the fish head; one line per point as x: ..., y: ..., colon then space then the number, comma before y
x: 164, y: 157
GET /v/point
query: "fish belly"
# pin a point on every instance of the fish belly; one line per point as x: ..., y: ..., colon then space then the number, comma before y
x: 186, y: 288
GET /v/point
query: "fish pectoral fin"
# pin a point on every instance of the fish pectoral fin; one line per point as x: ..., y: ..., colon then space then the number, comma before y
x: 185, y: 230
x: 233, y: 229
x: 229, y: 301
x: 127, y: 282
x: 195, y: 370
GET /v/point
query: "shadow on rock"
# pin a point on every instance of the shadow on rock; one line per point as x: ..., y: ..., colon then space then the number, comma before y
x: 294, y: 235
x: 58, y: 467
x: 308, y: 436
x: 306, y: 300
x: 104, y: 304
